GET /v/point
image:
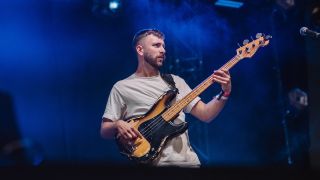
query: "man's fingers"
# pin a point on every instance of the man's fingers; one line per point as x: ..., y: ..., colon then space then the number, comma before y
x: 132, y: 134
x: 222, y: 73
x: 127, y: 136
x: 138, y: 134
x: 221, y: 79
x: 225, y: 71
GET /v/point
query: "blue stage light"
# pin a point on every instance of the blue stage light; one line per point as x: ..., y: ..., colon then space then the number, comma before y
x: 228, y: 3
x: 114, y: 5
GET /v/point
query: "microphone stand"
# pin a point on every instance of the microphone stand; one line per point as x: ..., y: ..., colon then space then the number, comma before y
x: 286, y: 134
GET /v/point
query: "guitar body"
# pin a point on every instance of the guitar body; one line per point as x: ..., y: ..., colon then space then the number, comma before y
x: 155, y: 131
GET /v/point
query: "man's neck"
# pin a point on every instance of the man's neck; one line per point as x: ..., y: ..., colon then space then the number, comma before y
x: 146, y: 73
x: 146, y: 70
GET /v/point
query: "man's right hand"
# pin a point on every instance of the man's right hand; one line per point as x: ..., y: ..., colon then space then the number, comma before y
x: 126, y: 132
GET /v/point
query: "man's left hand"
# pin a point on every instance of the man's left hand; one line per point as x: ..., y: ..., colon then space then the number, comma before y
x: 224, y: 79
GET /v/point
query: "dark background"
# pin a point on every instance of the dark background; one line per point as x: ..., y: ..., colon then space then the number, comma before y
x: 59, y: 60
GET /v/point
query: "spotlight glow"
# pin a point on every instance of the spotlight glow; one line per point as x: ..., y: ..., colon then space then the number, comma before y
x: 114, y: 5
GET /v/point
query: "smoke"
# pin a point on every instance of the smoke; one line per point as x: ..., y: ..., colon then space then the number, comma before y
x: 191, y: 24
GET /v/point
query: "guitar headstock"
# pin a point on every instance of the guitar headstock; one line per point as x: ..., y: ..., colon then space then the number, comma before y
x: 250, y: 48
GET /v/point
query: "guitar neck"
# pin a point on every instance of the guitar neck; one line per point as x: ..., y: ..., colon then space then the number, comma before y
x: 179, y: 105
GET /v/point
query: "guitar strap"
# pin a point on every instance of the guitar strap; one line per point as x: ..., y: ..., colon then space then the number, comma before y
x: 169, y: 80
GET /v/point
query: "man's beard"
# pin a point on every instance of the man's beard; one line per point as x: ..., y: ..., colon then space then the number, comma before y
x: 153, y: 61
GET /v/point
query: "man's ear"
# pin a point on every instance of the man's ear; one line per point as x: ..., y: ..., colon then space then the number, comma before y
x: 139, y: 49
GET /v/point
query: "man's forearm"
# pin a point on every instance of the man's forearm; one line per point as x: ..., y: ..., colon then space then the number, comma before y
x: 108, y: 129
x: 207, y: 112
x: 213, y: 108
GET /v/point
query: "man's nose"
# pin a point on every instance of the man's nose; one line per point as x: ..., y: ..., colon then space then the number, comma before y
x: 162, y: 50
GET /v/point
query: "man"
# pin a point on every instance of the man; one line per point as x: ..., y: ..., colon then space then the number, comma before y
x: 136, y: 94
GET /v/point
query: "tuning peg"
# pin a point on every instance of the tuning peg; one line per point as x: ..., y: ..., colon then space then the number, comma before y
x: 258, y: 35
x: 268, y: 37
x: 251, y: 38
x: 239, y: 45
x: 246, y: 41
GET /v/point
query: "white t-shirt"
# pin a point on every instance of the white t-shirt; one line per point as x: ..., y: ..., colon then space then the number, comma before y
x: 136, y: 95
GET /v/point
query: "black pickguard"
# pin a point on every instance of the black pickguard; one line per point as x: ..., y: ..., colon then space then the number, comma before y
x: 158, y: 131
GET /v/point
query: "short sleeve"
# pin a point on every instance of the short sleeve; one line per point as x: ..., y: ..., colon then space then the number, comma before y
x: 115, y: 107
x: 184, y: 89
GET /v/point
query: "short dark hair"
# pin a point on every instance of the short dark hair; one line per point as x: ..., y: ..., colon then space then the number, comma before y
x: 145, y: 32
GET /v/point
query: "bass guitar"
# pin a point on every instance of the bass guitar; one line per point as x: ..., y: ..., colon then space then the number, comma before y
x: 156, y: 126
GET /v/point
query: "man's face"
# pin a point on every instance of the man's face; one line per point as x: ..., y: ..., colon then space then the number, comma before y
x: 153, y: 50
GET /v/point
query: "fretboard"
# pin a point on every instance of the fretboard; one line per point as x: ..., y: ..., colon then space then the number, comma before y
x: 179, y: 105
